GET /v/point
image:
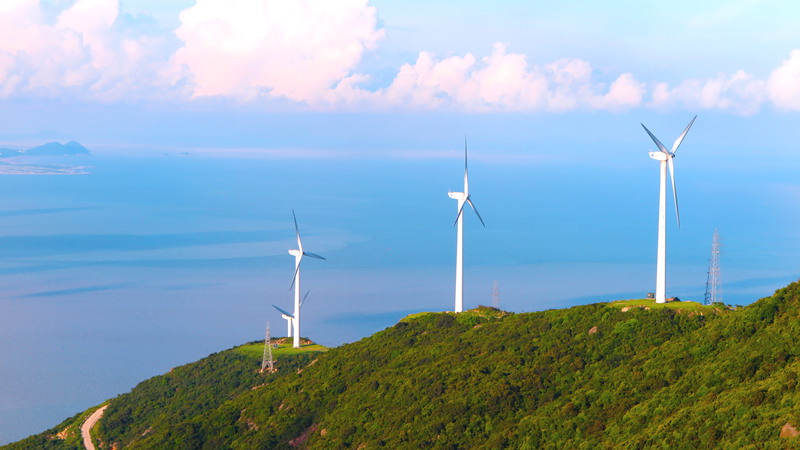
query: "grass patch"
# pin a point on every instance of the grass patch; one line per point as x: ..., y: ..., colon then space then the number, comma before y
x: 411, y: 317
x: 481, y: 313
x: 256, y: 349
x: 684, y: 306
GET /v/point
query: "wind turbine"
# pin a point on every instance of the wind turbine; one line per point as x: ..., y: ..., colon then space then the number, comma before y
x: 462, y: 197
x: 298, y: 257
x: 289, y: 317
x: 665, y: 157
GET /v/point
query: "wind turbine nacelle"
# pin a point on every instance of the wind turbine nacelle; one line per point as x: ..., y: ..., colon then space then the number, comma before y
x: 295, y: 253
x: 285, y: 317
x: 456, y: 195
x: 660, y: 156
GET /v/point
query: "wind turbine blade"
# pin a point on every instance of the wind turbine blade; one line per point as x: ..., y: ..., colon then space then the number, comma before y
x: 313, y: 255
x: 283, y: 312
x: 305, y: 297
x: 466, y: 173
x: 655, y: 139
x: 683, y: 135
x: 465, y: 154
x: 297, y: 232
x: 476, y: 211
x: 674, y: 192
x: 294, y: 278
x: 460, y: 211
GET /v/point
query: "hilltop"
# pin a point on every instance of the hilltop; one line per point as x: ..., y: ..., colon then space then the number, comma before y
x: 689, y: 307
x: 585, y: 377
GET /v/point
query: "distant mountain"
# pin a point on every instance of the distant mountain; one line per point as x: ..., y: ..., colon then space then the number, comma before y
x: 71, y: 148
x: 630, y: 375
x: 58, y: 149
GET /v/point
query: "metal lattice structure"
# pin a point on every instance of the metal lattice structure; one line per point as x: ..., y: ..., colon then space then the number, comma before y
x: 267, y: 363
x: 714, y: 280
x: 495, y: 295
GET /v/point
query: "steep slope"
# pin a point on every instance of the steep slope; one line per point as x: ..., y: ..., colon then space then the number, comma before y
x: 733, y: 384
x: 585, y: 377
x: 435, y: 380
x: 184, y: 392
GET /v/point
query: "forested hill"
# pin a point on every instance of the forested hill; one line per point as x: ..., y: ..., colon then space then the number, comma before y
x: 591, y: 376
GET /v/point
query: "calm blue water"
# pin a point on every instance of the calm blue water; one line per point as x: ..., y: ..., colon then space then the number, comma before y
x: 151, y: 262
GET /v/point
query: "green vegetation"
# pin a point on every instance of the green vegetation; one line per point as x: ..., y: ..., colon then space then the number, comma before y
x: 692, y: 307
x: 591, y: 376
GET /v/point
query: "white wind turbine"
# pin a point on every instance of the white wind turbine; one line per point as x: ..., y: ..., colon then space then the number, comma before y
x: 665, y: 157
x: 298, y: 257
x: 462, y: 197
x: 289, y: 317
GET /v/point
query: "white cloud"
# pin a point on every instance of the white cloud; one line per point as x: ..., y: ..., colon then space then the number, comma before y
x: 625, y: 92
x: 82, y: 51
x: 297, y: 49
x: 740, y: 93
x: 783, y: 85
x: 505, y: 81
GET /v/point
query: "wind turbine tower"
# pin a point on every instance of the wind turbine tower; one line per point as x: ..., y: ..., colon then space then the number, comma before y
x: 714, y: 280
x: 463, y: 198
x: 289, y: 317
x: 298, y: 257
x: 665, y: 158
x: 266, y: 360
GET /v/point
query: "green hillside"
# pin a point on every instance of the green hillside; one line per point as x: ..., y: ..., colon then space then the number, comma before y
x: 594, y: 376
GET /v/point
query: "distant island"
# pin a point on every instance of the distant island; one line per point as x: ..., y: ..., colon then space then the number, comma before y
x: 15, y: 161
x: 71, y: 148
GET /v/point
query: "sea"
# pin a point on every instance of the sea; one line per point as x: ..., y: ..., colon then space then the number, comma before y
x: 131, y: 265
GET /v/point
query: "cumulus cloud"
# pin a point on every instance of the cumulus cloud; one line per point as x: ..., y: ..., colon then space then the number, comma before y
x: 297, y: 49
x: 505, y: 81
x: 82, y: 50
x: 625, y: 92
x: 740, y: 93
x: 783, y: 85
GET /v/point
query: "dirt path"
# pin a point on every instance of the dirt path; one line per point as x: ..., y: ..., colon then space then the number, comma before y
x: 86, y: 428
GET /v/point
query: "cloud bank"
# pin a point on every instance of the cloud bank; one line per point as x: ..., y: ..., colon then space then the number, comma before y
x: 505, y: 81
x: 309, y: 53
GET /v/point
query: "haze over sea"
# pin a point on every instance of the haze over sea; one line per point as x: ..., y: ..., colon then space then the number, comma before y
x: 149, y: 262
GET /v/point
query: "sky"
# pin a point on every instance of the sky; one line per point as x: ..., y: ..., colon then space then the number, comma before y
x: 527, y: 81
x: 197, y: 58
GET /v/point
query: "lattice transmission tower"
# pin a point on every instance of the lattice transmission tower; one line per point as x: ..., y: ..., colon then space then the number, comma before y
x: 267, y: 363
x: 495, y: 295
x: 714, y: 280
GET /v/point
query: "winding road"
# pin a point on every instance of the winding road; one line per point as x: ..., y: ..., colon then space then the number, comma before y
x: 86, y: 428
